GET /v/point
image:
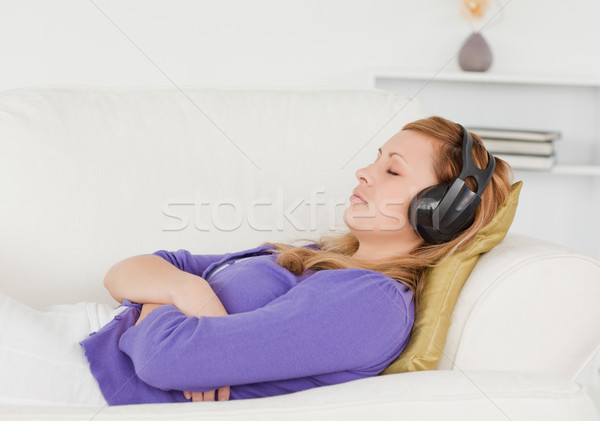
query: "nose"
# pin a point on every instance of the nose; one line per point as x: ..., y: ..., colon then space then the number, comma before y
x: 362, y: 174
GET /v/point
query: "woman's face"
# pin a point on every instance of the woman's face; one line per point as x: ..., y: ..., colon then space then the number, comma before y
x: 379, y: 204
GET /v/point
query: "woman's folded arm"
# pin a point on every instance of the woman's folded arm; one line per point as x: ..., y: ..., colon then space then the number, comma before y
x: 155, y: 278
x: 333, y: 321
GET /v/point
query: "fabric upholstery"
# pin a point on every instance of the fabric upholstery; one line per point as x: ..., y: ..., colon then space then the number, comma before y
x: 443, y: 284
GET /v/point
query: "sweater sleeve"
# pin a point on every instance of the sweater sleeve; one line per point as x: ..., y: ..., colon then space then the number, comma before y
x: 195, y: 264
x: 335, y: 320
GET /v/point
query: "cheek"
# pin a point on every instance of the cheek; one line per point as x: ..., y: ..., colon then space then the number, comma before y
x: 394, y: 203
x: 397, y: 197
x: 414, y: 191
x: 417, y: 185
x: 392, y: 212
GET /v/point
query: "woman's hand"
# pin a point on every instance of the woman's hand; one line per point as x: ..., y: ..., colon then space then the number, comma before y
x: 146, y: 308
x: 223, y: 392
x: 223, y: 395
x: 196, y: 298
x: 193, y: 296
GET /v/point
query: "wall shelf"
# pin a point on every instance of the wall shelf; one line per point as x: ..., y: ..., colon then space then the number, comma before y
x: 576, y: 170
x: 570, y: 104
x: 483, y: 77
x: 557, y: 204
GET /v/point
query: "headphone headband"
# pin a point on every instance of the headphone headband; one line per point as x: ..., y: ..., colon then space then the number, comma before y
x: 469, y: 169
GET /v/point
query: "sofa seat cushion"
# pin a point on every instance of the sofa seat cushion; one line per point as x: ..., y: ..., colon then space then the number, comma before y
x: 425, y: 395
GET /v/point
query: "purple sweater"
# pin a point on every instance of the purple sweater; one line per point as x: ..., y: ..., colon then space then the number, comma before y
x: 284, y: 333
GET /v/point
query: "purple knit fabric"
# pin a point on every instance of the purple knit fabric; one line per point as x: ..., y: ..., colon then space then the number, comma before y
x: 284, y: 333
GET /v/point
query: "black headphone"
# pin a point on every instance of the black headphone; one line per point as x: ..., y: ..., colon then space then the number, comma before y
x: 439, y: 213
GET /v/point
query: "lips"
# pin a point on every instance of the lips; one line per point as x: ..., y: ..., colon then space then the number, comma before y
x: 357, y: 197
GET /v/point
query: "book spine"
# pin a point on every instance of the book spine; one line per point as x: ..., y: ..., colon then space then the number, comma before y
x: 528, y: 162
x: 529, y: 136
x: 518, y: 147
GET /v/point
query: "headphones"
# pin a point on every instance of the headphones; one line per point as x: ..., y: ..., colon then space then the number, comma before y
x: 439, y: 213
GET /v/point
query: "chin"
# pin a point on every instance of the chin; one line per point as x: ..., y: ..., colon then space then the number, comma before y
x: 345, y: 218
x: 352, y: 228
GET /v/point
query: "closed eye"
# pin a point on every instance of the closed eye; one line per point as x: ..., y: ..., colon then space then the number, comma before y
x: 391, y: 172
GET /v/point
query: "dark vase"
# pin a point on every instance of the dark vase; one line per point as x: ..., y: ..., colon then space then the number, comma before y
x: 475, y: 54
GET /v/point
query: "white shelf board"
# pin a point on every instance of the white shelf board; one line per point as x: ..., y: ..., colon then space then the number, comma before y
x: 576, y: 169
x: 484, y: 77
x: 588, y: 170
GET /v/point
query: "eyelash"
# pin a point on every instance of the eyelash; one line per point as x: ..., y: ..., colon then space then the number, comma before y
x: 388, y: 171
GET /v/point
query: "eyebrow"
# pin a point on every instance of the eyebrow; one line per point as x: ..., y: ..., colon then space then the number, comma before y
x: 394, y: 153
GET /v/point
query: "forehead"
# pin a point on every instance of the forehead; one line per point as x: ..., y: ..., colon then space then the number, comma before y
x: 415, y: 147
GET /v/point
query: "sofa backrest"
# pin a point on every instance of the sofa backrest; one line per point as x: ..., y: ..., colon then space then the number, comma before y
x: 89, y: 176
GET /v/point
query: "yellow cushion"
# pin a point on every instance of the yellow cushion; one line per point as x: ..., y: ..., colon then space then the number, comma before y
x: 441, y: 290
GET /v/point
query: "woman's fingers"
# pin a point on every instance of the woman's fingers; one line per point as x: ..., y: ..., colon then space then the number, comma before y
x: 223, y: 395
x: 203, y: 396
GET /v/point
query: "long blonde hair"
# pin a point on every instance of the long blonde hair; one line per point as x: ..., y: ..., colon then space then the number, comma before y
x: 336, y: 249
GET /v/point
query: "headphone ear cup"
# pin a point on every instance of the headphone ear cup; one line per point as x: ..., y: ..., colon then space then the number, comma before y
x: 421, y: 210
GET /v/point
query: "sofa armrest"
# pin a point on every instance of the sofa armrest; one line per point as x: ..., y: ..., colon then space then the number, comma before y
x: 528, y: 306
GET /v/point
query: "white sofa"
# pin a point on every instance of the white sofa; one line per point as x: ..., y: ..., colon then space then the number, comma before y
x: 91, y: 175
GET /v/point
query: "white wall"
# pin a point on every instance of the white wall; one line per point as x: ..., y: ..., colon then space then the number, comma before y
x: 286, y: 43
x: 279, y: 43
x: 292, y: 43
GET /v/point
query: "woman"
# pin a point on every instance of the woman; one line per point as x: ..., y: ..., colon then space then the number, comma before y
x: 282, y: 318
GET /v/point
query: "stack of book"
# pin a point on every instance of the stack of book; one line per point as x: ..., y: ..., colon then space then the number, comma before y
x: 522, y: 149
